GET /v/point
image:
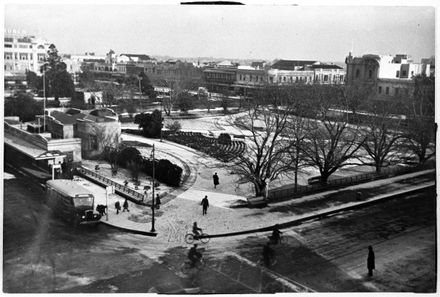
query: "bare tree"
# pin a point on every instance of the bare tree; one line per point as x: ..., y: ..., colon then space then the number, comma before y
x: 266, y: 156
x: 105, y: 136
x: 355, y: 96
x: 421, y: 127
x: 110, y: 93
x: 177, y: 85
x: 382, y: 131
x: 296, y: 132
x: 225, y: 102
x: 330, y: 141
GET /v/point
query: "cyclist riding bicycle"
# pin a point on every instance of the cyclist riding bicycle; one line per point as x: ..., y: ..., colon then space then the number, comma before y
x: 196, y: 229
x: 194, y: 256
x: 276, y: 234
x: 268, y: 254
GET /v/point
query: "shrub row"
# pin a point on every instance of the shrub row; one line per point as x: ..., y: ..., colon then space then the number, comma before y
x: 165, y: 171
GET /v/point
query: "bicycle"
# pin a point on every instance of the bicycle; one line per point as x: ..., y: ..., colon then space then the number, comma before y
x: 281, y: 240
x: 190, y: 238
x: 272, y: 261
x: 188, y: 266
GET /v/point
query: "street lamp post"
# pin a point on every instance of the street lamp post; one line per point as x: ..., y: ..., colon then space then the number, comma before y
x: 161, y: 103
x: 140, y: 91
x: 44, y: 99
x: 152, y: 199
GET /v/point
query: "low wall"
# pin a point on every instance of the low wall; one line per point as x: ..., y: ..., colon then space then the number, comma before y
x: 288, y: 192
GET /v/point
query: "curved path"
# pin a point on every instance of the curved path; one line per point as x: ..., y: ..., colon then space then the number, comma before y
x: 175, y: 218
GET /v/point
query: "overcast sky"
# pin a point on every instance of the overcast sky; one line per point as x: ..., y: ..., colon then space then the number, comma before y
x: 253, y: 32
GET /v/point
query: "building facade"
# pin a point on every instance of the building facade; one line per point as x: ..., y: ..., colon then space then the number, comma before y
x: 97, y: 130
x: 388, y: 76
x: 23, y: 52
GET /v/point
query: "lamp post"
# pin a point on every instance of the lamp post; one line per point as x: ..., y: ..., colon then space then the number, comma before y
x: 161, y: 103
x: 152, y: 200
x: 44, y: 99
x: 140, y: 91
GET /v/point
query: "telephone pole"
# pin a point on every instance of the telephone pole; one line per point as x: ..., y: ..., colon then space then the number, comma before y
x: 152, y: 200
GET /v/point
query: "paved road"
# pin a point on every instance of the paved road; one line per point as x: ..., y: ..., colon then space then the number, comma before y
x: 43, y: 254
x: 330, y: 254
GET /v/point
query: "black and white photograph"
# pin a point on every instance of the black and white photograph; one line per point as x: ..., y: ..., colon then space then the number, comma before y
x: 219, y: 147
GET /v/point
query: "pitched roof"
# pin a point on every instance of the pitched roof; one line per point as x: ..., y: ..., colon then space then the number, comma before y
x: 325, y: 66
x: 140, y: 57
x: 290, y: 64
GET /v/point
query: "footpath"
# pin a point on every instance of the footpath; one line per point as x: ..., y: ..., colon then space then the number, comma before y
x: 177, y: 212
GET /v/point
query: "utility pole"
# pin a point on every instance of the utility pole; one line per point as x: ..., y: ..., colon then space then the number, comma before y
x: 44, y: 100
x: 161, y: 103
x: 140, y: 91
x: 152, y: 200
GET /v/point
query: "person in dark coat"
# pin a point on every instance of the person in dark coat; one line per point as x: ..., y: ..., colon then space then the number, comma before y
x: 117, y: 206
x: 158, y: 203
x: 370, y: 261
x: 205, y: 204
x: 215, y: 179
x: 125, y: 206
x: 101, y: 209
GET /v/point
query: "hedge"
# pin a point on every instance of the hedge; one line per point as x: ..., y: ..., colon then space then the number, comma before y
x: 165, y: 171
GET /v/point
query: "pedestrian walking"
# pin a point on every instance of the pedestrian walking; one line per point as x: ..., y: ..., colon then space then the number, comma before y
x: 125, y: 206
x: 158, y: 203
x: 370, y: 261
x: 205, y: 205
x: 101, y: 209
x: 117, y: 206
x: 215, y: 179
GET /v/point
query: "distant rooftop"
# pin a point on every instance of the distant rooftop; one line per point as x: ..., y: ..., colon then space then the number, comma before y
x: 325, y: 66
x: 140, y: 56
x: 66, y: 119
x: 291, y: 64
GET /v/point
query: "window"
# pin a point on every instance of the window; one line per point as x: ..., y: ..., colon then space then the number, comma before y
x: 370, y: 73
x: 387, y: 90
x: 325, y: 77
x: 8, y: 45
x: 412, y: 73
x: 404, y: 73
x: 379, y: 90
x: 397, y: 73
x: 358, y: 73
x: 40, y: 47
x: 396, y: 91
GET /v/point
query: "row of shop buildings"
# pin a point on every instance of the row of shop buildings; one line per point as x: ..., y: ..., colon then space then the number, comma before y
x: 390, y: 76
